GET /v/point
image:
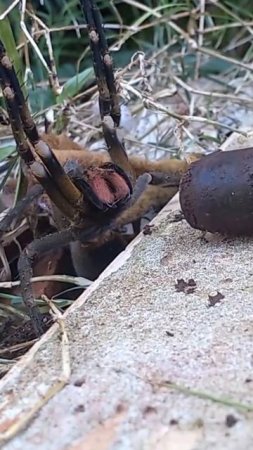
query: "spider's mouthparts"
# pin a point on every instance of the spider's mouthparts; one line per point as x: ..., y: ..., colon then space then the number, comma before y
x: 109, y: 186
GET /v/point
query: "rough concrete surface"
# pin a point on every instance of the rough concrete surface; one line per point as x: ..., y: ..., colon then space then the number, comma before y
x: 156, y: 363
x: 133, y: 334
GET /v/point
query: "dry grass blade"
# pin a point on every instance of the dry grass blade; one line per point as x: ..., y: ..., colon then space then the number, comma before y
x: 78, y: 281
x: 50, y: 70
x: 184, y: 118
x: 9, y: 9
x: 17, y: 347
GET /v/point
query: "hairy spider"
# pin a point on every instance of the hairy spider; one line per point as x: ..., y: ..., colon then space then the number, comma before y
x: 92, y: 196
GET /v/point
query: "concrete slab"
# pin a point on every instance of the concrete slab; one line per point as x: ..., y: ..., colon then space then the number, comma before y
x: 156, y: 363
x: 130, y: 336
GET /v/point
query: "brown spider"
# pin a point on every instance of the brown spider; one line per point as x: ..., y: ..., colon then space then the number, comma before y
x: 89, y: 200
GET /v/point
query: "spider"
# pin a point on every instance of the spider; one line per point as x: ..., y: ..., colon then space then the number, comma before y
x: 91, y: 196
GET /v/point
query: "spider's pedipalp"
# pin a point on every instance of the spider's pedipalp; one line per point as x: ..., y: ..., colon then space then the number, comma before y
x: 117, y: 150
x: 141, y: 184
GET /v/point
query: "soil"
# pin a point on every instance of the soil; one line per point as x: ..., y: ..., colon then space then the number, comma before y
x: 16, y: 338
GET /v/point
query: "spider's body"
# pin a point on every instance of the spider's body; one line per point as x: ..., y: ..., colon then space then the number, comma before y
x: 154, y: 196
x: 92, y: 195
x: 90, y: 258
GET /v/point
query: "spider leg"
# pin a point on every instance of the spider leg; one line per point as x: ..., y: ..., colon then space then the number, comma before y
x: 47, y: 170
x: 37, y: 168
x: 102, y: 62
x: 117, y: 150
x: 141, y: 185
x: 164, y: 179
x: 39, y: 246
x: 19, y: 211
x: 108, y: 98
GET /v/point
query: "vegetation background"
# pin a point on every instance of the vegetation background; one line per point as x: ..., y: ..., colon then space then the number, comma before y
x: 201, y: 37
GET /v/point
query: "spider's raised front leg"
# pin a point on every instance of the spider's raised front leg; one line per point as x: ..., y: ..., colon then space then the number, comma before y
x: 102, y: 62
x: 36, y: 154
